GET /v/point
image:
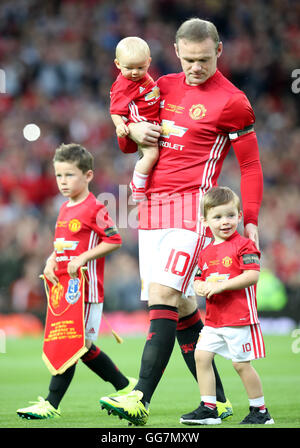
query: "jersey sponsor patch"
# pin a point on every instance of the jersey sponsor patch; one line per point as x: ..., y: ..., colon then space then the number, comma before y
x: 251, y: 259
x: 198, y: 273
x: 110, y: 231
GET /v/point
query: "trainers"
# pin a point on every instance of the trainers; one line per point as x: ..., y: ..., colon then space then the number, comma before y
x: 127, y: 406
x: 138, y: 194
x: 132, y: 382
x: 41, y: 409
x: 201, y: 416
x: 255, y: 417
x: 225, y: 410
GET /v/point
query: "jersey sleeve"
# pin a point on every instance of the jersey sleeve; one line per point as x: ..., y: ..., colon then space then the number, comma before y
x: 249, y: 256
x: 237, y: 114
x: 237, y: 120
x: 105, y: 226
x: 121, y: 94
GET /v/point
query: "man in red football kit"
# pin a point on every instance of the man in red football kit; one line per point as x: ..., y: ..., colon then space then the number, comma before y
x: 84, y: 235
x: 202, y: 114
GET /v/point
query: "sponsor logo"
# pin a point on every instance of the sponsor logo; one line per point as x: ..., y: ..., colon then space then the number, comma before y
x: 60, y: 245
x: 197, y: 111
x: 110, y: 231
x: 170, y: 128
x: 216, y: 277
x: 251, y: 258
x: 198, y: 273
x: 154, y: 94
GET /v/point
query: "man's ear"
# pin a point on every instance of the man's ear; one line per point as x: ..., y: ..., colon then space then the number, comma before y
x: 117, y: 64
x: 219, y: 49
x: 176, y: 50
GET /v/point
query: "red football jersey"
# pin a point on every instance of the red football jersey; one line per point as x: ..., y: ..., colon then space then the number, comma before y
x: 223, y: 261
x: 81, y: 227
x: 135, y: 100
x: 196, y: 123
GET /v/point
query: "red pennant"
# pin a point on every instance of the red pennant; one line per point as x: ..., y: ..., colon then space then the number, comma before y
x: 64, y: 337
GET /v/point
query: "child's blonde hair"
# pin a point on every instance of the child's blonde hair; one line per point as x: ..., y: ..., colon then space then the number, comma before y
x: 131, y: 46
x: 219, y: 196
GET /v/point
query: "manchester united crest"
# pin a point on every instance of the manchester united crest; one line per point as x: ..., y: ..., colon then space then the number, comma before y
x: 74, y: 225
x: 56, y: 295
x: 197, y: 112
x: 227, y: 261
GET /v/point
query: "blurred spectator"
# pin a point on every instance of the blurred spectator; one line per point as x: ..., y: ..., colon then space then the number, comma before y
x: 58, y: 61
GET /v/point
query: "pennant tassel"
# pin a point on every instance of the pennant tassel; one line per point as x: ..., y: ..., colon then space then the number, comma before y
x: 114, y: 333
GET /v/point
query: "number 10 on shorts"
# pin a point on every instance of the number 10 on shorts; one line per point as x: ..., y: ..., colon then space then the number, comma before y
x: 178, y: 262
x: 246, y: 347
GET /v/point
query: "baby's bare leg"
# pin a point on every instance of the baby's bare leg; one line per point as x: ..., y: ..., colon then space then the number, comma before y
x: 149, y: 157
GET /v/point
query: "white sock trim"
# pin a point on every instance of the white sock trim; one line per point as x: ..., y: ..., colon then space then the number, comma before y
x: 257, y: 402
x: 209, y: 399
x: 139, y: 179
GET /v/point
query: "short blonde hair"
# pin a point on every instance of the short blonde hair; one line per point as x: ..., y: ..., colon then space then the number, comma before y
x: 219, y: 196
x: 131, y: 46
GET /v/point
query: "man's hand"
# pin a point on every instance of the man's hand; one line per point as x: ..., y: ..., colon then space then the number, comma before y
x: 144, y: 133
x: 251, y: 232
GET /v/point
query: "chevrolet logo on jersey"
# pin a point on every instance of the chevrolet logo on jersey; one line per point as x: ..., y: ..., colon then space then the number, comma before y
x: 154, y: 94
x: 170, y: 128
x: 216, y: 277
x: 60, y: 245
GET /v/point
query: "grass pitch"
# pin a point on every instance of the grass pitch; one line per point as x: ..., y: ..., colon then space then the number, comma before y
x: 23, y: 377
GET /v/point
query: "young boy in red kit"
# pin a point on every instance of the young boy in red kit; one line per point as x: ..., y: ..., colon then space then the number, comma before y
x: 228, y: 270
x: 84, y: 235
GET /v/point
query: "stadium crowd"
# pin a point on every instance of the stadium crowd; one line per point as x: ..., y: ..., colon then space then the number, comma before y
x: 57, y: 57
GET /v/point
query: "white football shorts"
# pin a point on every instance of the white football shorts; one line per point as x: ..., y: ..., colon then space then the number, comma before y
x: 92, y: 320
x: 239, y: 344
x: 169, y: 257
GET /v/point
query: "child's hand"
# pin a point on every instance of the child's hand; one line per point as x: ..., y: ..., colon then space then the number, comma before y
x: 122, y: 130
x: 212, y: 288
x: 75, y: 264
x: 199, y: 288
x: 50, y: 267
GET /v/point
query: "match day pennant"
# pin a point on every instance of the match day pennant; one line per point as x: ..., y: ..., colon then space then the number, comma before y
x: 64, y: 336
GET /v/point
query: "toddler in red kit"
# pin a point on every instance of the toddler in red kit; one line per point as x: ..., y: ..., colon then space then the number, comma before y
x: 228, y: 270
